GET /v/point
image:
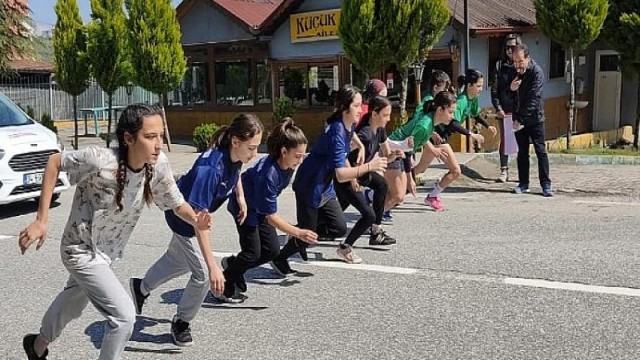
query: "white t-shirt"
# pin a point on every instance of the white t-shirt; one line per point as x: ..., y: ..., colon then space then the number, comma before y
x: 95, y: 223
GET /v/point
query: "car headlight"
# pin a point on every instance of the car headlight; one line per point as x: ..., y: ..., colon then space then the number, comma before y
x: 60, y: 144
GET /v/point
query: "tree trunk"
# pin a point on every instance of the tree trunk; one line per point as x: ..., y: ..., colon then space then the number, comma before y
x: 164, y: 121
x: 572, y: 98
x: 637, y: 129
x: 75, y: 122
x: 404, y: 74
x: 110, y: 99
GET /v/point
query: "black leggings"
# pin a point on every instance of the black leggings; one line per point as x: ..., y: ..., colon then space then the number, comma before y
x: 370, y: 214
x: 258, y: 244
x: 327, y: 221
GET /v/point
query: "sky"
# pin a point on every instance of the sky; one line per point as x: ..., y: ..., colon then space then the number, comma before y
x: 42, y: 12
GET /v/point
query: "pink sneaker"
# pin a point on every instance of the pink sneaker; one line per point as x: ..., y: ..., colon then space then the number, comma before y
x: 434, y: 202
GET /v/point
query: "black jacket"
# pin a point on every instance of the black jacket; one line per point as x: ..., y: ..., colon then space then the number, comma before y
x: 502, y: 97
x: 529, y: 106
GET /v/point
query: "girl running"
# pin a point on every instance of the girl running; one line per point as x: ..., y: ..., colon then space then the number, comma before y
x: 263, y: 183
x: 212, y: 178
x: 438, y: 113
x: 467, y: 107
x: 400, y: 174
x: 372, y: 133
x: 112, y: 188
x: 316, y: 205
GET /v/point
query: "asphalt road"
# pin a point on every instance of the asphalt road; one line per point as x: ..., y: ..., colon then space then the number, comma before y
x: 496, y: 276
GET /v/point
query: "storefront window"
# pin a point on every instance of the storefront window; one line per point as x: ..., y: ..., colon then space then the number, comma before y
x: 264, y: 81
x: 323, y: 84
x: 194, y: 88
x: 293, y: 84
x: 233, y: 83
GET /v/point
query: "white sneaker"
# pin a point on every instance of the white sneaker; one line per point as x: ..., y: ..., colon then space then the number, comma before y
x: 348, y: 255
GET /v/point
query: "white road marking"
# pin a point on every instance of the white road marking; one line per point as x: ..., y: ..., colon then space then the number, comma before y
x: 364, y: 267
x: 341, y: 265
x: 6, y: 237
x: 593, y: 202
x: 537, y: 283
x: 556, y: 285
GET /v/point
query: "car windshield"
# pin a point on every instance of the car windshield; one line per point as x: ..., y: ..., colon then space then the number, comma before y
x: 10, y: 113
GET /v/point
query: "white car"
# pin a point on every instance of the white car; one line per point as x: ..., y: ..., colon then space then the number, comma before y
x: 25, y: 146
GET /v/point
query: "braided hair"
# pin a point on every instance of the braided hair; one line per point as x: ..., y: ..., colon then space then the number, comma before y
x: 130, y: 121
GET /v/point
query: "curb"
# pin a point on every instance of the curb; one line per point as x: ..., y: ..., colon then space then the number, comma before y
x: 571, y: 159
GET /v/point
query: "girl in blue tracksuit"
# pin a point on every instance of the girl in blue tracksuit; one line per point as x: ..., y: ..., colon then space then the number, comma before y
x: 317, y: 207
x: 212, y: 178
x: 263, y: 183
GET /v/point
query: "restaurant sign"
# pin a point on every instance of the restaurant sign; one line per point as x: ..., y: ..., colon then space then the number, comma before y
x: 315, y: 26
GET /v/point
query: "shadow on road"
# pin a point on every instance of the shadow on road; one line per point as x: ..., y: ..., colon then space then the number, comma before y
x: 22, y: 208
x: 95, y: 331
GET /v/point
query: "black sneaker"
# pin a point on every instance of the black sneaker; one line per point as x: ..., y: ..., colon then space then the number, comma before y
x: 27, y: 343
x: 281, y: 267
x: 241, y: 284
x: 381, y: 238
x: 181, y: 332
x: 138, y: 298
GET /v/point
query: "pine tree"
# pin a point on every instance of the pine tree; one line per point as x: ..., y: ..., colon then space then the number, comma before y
x: 108, y: 49
x: 361, y: 35
x: 70, y: 51
x: 14, y: 35
x: 411, y: 28
x: 158, y: 61
x: 622, y: 31
x: 574, y: 24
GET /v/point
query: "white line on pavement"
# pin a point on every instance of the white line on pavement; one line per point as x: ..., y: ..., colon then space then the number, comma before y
x: 341, y: 265
x: 556, y: 285
x: 365, y: 267
x: 6, y: 237
x: 553, y: 285
x: 592, y: 202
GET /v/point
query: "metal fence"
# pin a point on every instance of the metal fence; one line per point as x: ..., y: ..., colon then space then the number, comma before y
x: 48, y: 98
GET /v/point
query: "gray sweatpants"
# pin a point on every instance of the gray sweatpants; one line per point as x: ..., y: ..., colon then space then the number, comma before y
x: 91, y: 280
x: 182, y: 256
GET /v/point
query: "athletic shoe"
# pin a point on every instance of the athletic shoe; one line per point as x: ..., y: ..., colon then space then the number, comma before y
x: 181, y: 332
x: 547, y: 191
x: 381, y: 238
x: 231, y: 294
x: 521, y: 189
x: 346, y: 253
x: 387, y: 218
x: 241, y: 284
x: 281, y: 267
x: 138, y: 298
x: 27, y: 343
x: 434, y: 202
x: 504, y: 175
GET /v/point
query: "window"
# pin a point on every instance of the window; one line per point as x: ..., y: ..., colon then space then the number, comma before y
x: 309, y: 84
x: 323, y: 85
x: 194, y: 88
x: 557, y: 63
x: 233, y: 83
x: 264, y: 81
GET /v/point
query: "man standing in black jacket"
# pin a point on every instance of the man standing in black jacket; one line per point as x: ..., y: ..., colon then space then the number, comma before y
x: 527, y: 83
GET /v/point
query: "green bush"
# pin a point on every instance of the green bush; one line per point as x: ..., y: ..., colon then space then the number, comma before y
x: 283, y: 109
x: 46, y: 121
x: 202, y: 136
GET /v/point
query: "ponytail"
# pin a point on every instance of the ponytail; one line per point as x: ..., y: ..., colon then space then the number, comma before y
x: 443, y: 99
x: 243, y: 127
x: 286, y: 134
